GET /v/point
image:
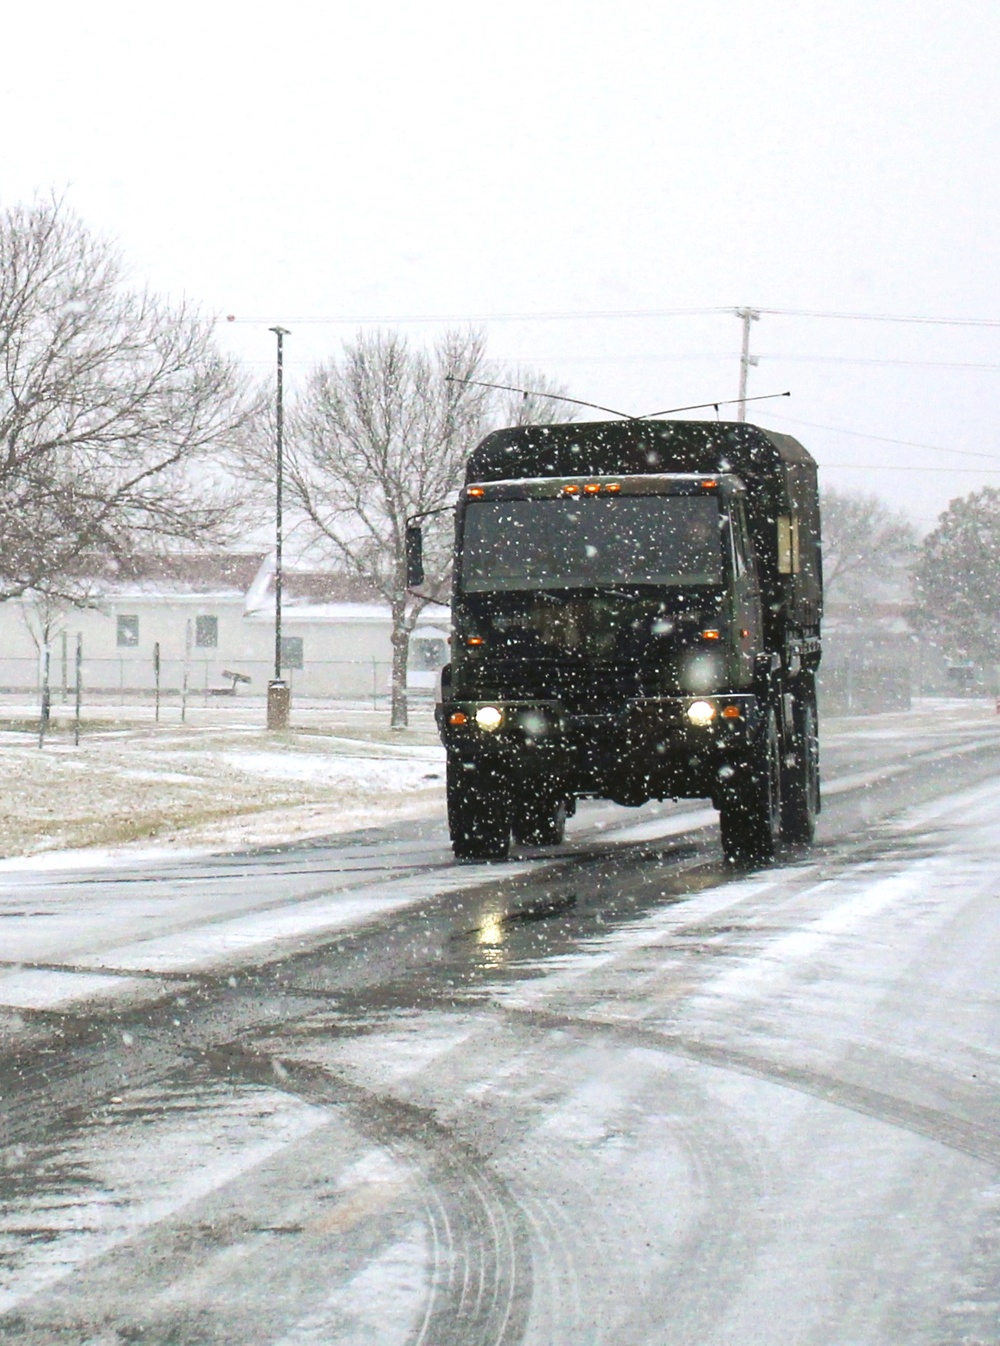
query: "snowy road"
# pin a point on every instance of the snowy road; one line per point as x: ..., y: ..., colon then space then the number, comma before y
x: 353, y: 1093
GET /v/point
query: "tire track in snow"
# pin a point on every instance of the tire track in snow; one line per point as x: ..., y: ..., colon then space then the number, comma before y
x: 481, y: 1284
x: 971, y: 1138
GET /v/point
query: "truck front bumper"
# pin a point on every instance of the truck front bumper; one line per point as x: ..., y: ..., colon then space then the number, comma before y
x: 674, y: 743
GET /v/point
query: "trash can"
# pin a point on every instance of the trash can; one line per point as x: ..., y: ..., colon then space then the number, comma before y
x: 279, y: 697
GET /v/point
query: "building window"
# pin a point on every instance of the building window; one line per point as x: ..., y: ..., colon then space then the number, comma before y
x: 428, y: 654
x: 128, y: 631
x: 206, y: 632
x: 291, y: 651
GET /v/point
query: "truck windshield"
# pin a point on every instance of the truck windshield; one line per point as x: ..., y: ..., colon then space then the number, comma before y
x: 591, y: 542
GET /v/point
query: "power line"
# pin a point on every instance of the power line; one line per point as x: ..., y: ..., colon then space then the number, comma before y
x: 867, y: 360
x: 885, y: 439
x: 891, y: 467
x: 719, y: 357
x: 882, y: 317
x: 558, y: 316
x: 588, y: 315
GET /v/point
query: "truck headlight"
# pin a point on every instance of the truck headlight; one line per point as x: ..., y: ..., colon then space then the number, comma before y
x: 701, y: 712
x: 489, y: 718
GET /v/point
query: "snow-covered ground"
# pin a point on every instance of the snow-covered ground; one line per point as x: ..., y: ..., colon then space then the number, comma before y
x: 219, y: 781
x: 108, y: 924
x: 757, y: 1109
x: 134, y: 789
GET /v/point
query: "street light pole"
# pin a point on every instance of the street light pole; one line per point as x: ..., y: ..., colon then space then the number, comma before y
x: 277, y: 699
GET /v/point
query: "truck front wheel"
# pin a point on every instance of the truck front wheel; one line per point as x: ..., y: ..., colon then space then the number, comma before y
x: 750, y: 802
x: 539, y: 822
x: 478, y: 811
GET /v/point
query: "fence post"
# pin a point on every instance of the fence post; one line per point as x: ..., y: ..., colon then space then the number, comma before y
x: 156, y: 677
x: 79, y: 673
x: 184, y: 682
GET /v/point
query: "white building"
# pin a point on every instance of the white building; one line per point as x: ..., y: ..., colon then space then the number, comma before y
x: 208, y: 619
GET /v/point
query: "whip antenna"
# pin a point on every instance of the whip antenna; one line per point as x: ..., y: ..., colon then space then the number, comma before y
x: 528, y: 392
x: 701, y: 406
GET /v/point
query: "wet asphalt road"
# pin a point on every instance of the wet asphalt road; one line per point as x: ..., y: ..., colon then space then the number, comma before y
x: 620, y: 1095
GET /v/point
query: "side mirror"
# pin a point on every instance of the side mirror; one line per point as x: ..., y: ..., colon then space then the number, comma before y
x: 414, y: 556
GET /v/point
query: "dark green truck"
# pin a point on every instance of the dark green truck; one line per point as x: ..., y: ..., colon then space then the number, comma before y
x: 636, y: 615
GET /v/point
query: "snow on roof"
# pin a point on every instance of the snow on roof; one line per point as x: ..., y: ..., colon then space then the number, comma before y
x: 307, y: 595
x: 309, y: 587
x: 346, y: 613
x: 215, y: 572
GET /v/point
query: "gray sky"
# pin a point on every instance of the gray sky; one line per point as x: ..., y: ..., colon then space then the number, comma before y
x: 317, y: 164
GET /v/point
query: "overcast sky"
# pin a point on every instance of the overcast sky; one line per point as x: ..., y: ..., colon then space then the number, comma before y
x: 566, y: 175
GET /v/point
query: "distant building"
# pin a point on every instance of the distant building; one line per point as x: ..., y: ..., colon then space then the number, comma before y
x: 211, y: 614
x: 870, y: 659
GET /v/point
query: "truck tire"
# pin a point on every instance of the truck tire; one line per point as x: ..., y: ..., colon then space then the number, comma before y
x: 750, y: 803
x: 539, y: 822
x: 478, y: 812
x: 800, y: 786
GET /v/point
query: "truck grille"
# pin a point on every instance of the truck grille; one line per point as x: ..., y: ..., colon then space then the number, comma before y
x: 583, y: 689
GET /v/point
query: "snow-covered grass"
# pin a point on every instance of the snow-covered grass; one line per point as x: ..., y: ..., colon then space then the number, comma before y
x: 221, y: 781
x: 217, y: 781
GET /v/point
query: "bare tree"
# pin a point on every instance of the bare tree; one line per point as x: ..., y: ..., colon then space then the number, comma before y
x: 867, y: 548
x: 957, y: 578
x: 44, y: 617
x: 113, y: 408
x: 539, y: 401
x: 379, y: 436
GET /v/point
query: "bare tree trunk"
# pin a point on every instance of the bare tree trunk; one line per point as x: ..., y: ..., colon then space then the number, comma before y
x: 46, y: 710
x: 399, y: 714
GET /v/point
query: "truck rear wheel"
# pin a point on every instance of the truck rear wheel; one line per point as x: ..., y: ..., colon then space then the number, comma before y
x: 540, y: 822
x: 800, y: 787
x: 750, y: 805
x: 478, y: 812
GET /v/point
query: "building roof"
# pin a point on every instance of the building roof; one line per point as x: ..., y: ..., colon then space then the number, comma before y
x: 316, y: 586
x: 183, y: 572
x: 247, y: 577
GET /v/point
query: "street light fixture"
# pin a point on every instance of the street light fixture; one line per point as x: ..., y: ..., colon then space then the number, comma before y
x: 277, y: 689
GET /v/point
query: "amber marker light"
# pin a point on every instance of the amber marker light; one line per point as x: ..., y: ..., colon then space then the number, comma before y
x: 730, y: 712
x: 613, y: 487
x: 458, y: 717
x: 571, y: 489
x: 476, y: 492
x: 474, y: 641
x: 709, y: 484
x: 710, y: 635
x: 591, y: 488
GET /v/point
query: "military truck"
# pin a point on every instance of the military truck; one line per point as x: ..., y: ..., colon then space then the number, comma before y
x: 636, y: 615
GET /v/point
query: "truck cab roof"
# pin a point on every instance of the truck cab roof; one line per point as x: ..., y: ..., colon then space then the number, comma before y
x: 573, y: 449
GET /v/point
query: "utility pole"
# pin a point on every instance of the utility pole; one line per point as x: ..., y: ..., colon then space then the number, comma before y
x: 747, y: 316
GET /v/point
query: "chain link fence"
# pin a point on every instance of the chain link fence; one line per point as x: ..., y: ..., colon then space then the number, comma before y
x: 129, y: 678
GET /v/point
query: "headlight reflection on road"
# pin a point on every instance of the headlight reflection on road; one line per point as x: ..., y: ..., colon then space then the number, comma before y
x: 491, y: 937
x: 491, y: 930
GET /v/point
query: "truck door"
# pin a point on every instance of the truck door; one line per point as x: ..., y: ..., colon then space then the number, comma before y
x: 747, y: 623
